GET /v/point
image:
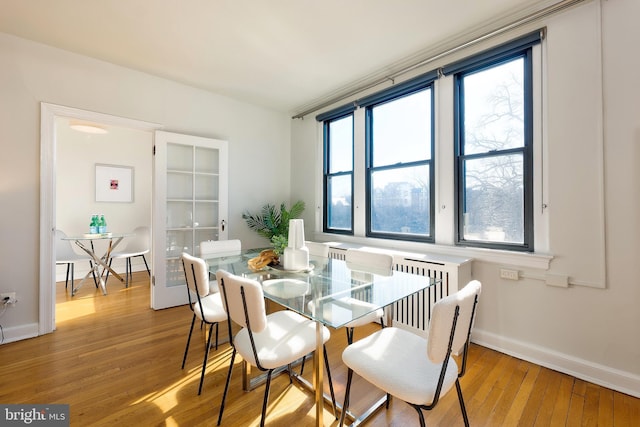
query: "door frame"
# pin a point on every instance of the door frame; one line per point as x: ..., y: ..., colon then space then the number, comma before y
x: 48, y: 115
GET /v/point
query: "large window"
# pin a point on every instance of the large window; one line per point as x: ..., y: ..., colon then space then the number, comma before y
x: 338, y: 174
x: 380, y: 165
x: 494, y: 134
x: 399, y: 170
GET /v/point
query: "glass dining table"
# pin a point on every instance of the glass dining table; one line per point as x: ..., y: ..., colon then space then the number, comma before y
x: 85, y: 242
x: 331, y: 292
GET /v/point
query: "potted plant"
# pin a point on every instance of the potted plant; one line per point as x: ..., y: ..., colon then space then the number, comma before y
x: 273, y: 223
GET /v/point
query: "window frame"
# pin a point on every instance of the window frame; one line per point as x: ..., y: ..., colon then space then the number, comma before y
x: 445, y: 222
x: 327, y: 175
x: 480, y: 63
x: 425, y: 82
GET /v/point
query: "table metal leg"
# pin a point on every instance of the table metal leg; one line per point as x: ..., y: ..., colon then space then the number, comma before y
x: 318, y: 361
x: 99, y: 261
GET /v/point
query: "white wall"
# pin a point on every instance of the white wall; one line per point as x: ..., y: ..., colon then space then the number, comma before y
x: 77, y: 154
x: 586, y: 331
x: 30, y: 73
x: 583, y: 330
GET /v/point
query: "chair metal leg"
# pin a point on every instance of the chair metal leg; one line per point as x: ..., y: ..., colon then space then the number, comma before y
x: 145, y: 264
x: 345, y: 405
x: 73, y: 267
x: 128, y: 272
x: 304, y: 359
x: 66, y: 282
x: 186, y: 349
x: 226, y: 386
x: 462, y: 407
x: 349, y: 335
x: 420, y: 415
x: 206, y: 357
x: 333, y: 396
x: 216, y: 336
x: 265, y: 401
x: 93, y: 273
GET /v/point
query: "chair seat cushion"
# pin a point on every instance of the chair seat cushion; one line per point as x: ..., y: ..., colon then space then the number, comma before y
x: 395, y: 361
x: 128, y: 254
x: 287, y: 337
x: 212, y: 309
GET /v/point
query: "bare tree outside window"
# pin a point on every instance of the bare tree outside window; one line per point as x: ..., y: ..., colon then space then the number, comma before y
x: 493, y: 158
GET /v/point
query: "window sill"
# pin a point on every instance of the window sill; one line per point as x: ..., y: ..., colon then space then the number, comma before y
x: 537, y: 261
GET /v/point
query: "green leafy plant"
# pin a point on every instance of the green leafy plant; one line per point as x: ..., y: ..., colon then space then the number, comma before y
x: 273, y: 223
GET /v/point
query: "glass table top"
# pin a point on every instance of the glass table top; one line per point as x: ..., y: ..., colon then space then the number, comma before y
x: 329, y: 291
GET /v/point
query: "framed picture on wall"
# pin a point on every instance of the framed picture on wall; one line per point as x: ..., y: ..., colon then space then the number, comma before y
x: 114, y: 183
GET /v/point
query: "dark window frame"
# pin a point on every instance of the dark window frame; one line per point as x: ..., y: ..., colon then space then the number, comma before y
x: 425, y: 82
x: 327, y: 119
x: 471, y: 66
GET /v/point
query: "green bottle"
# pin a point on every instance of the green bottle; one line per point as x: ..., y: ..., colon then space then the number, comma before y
x: 102, y: 225
x: 93, y: 226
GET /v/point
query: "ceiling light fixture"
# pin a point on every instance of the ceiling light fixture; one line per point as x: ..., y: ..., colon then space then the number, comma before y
x: 87, y: 127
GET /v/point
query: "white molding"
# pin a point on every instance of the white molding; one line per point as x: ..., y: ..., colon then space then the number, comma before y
x: 624, y: 382
x: 48, y: 114
x: 20, y: 332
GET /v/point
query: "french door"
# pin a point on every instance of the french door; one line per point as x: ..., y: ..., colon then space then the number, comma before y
x: 190, y: 206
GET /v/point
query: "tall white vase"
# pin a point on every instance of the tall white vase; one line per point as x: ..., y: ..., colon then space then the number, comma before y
x: 296, y: 254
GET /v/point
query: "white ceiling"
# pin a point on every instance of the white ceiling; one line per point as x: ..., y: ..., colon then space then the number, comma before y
x: 282, y: 54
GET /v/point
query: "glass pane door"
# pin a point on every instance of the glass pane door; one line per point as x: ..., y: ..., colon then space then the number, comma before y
x: 190, y: 207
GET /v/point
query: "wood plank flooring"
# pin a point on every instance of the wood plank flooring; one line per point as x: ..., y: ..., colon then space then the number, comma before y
x: 117, y: 362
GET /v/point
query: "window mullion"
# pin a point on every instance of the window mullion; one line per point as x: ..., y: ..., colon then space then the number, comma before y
x: 359, y: 173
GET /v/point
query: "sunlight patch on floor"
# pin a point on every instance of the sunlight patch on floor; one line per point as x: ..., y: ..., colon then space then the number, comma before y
x: 74, y: 309
x: 167, y: 399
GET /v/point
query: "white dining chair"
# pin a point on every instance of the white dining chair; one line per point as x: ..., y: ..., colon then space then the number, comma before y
x: 318, y: 249
x: 265, y: 341
x: 362, y: 260
x: 65, y: 255
x: 206, y: 305
x: 137, y: 246
x: 217, y: 249
x: 415, y: 369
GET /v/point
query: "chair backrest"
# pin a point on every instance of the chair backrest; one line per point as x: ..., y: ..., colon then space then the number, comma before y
x: 238, y: 291
x: 196, y: 275
x: 442, y: 317
x: 213, y: 248
x: 140, y: 241
x: 369, y: 261
x: 64, y: 250
x: 317, y: 249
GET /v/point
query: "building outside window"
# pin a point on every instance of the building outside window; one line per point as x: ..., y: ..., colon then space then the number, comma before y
x: 399, y: 167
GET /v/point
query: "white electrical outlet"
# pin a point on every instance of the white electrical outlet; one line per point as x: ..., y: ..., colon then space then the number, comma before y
x: 11, y: 295
x: 508, y: 274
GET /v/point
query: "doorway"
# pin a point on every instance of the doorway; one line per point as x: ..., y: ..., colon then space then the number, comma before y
x: 52, y: 117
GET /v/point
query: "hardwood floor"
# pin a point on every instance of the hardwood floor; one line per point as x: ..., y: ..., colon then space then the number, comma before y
x: 117, y: 362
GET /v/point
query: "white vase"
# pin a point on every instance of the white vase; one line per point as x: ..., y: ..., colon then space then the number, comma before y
x: 296, y: 254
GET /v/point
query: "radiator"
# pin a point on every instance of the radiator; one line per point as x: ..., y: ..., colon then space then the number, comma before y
x: 413, y: 312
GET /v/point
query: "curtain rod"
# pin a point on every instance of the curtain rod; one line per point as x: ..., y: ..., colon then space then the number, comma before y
x: 550, y: 10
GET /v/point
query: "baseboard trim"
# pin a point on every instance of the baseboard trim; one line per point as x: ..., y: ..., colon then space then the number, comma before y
x: 605, y: 376
x: 21, y: 332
